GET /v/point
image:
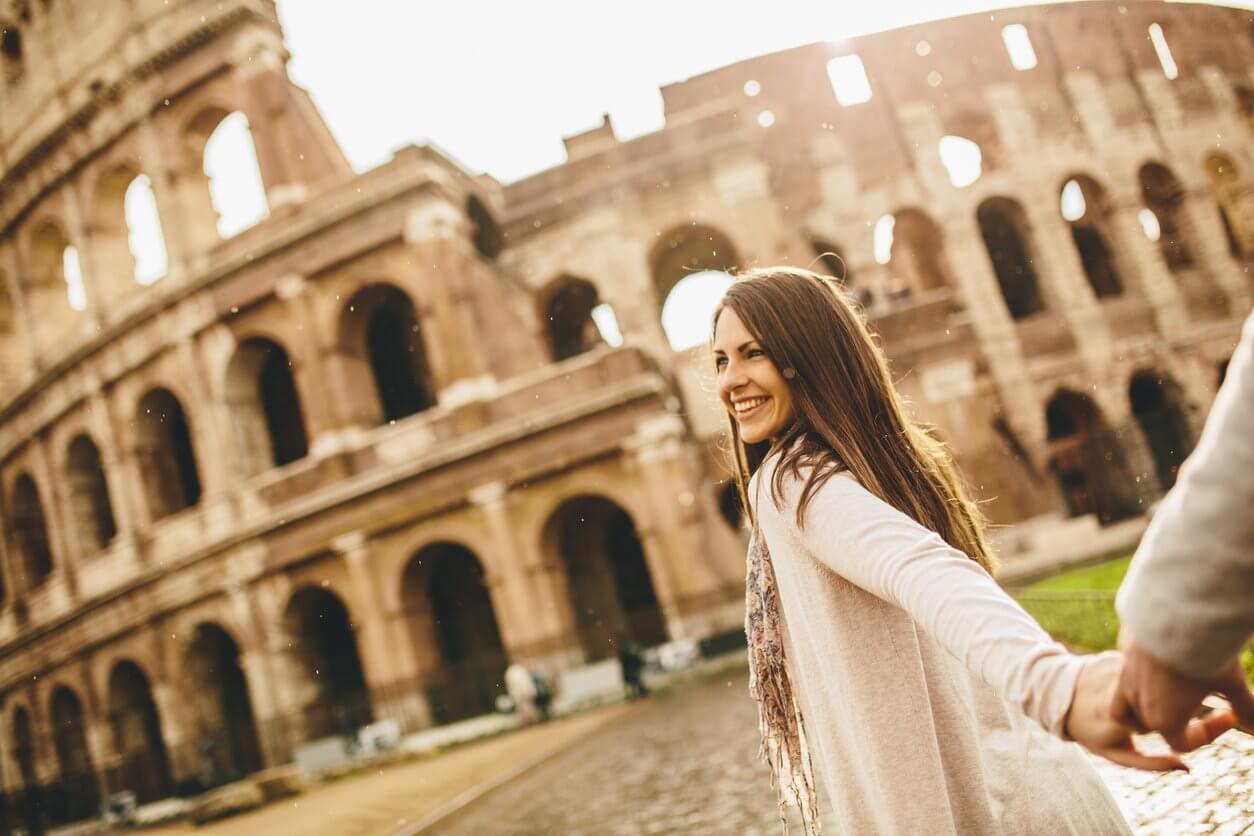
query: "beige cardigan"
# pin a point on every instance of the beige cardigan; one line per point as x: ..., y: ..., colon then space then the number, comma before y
x: 926, y: 691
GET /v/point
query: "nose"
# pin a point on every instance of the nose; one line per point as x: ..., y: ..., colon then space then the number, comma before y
x: 732, y: 378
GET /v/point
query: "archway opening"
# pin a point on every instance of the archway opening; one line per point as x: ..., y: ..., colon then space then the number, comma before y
x: 380, y: 329
x: 89, y: 495
x: 910, y: 243
x: 1227, y: 184
x: 1084, y: 205
x: 1164, y: 197
x: 1087, y: 461
x: 1156, y: 405
x: 1003, y: 224
x: 218, y: 694
x: 230, y: 164
x: 485, y: 234
x: 569, y: 320
x: 166, y: 457
x: 29, y: 811
x: 452, y: 622
x: 30, y: 529
x: 608, y: 576
x: 69, y: 739
x: 261, y: 392
x: 701, y: 259
x: 143, y: 764
x: 334, y: 693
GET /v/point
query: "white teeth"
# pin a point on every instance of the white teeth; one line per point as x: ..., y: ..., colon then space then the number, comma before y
x: 745, y: 406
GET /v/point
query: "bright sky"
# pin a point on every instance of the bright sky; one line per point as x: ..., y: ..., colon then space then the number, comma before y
x: 497, y: 84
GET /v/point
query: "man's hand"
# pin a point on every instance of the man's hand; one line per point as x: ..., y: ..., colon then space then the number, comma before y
x: 1090, y: 723
x: 1153, y: 697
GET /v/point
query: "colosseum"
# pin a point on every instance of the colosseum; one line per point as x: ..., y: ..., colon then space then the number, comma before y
x: 346, y: 463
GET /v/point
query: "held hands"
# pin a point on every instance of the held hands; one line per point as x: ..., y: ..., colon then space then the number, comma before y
x: 1091, y: 722
x: 1158, y: 698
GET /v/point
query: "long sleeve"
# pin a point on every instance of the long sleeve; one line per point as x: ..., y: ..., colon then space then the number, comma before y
x: 949, y: 596
x: 1189, y: 595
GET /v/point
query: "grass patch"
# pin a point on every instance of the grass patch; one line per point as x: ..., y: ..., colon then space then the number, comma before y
x: 1078, y: 608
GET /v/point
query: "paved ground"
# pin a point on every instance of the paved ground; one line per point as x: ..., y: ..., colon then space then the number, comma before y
x: 683, y: 763
x: 688, y: 765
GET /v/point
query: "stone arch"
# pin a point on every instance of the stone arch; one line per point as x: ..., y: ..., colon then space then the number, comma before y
x: 30, y: 531
x: 381, y: 335
x: 683, y: 263
x: 451, y: 621
x: 51, y: 302
x: 167, y: 458
x: 218, y: 697
x: 1164, y: 196
x: 219, y: 198
x: 143, y: 764
x: 484, y: 232
x: 1157, y: 405
x: 916, y: 256
x: 128, y: 244
x: 1227, y: 183
x: 608, y: 578
x: 12, y: 54
x: 263, y: 399
x: 1086, y: 459
x: 1004, y: 226
x: 1086, y: 208
x: 90, y: 506
x: 568, y: 303
x: 29, y: 810
x: 331, y: 681
x: 69, y: 739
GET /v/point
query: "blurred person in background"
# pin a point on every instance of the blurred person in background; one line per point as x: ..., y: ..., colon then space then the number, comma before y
x: 1187, y: 604
x: 879, y: 644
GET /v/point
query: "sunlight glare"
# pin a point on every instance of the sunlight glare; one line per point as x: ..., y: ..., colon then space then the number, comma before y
x: 1019, y: 45
x: 883, y: 239
x: 146, y: 240
x: 1149, y: 223
x: 689, y: 307
x: 73, y: 271
x: 1164, y: 51
x: 235, y: 184
x: 607, y: 324
x: 962, y: 159
x: 849, y: 80
x: 1073, y: 204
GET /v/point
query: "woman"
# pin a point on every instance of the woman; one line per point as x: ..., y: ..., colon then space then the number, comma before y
x: 879, y: 642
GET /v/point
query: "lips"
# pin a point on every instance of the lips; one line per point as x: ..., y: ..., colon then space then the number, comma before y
x: 749, y: 407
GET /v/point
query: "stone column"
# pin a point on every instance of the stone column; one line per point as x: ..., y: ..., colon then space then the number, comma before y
x: 174, y: 226
x: 995, y: 330
x: 537, y: 621
x: 370, y: 625
x: 1145, y: 259
x: 1063, y: 280
x: 435, y: 234
x: 23, y: 322
x: 1211, y: 249
x: 63, y: 538
x: 694, y: 600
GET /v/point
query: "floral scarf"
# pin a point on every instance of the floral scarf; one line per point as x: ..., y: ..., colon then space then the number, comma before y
x: 784, y: 746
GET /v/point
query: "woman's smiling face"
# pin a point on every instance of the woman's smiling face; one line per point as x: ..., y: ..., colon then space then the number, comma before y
x: 751, y: 388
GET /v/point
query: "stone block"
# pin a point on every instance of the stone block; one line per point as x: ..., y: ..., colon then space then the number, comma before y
x: 229, y: 800
x: 322, y: 755
x: 593, y: 684
x: 279, y: 782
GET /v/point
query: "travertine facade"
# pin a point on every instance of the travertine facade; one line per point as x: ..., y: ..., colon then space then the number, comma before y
x: 345, y: 464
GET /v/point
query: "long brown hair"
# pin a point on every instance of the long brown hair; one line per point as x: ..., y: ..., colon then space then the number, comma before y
x: 849, y: 415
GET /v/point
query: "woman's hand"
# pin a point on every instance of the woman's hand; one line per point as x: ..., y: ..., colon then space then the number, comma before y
x: 1090, y: 722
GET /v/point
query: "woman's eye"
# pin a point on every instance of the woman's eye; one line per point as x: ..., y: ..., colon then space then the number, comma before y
x: 719, y: 362
x: 754, y: 352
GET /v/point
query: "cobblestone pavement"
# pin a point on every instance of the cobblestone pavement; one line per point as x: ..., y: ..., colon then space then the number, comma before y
x: 688, y: 764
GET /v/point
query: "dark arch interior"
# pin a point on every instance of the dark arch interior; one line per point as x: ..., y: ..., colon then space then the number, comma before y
x: 1164, y: 197
x: 166, y: 456
x: 280, y: 404
x: 1008, y: 249
x: 609, y: 579
x: 1156, y: 407
x: 69, y: 736
x: 569, y: 319
x: 1087, y: 460
x: 325, y: 646
x: 143, y: 763
x: 397, y: 357
x: 227, y: 747
x: 444, y: 590
x: 31, y: 531
x: 485, y: 233
x: 89, y: 492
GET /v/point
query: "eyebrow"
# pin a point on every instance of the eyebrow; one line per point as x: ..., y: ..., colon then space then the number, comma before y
x: 740, y: 347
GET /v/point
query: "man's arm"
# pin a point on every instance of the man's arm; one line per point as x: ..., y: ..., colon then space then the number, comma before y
x: 1189, y: 596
